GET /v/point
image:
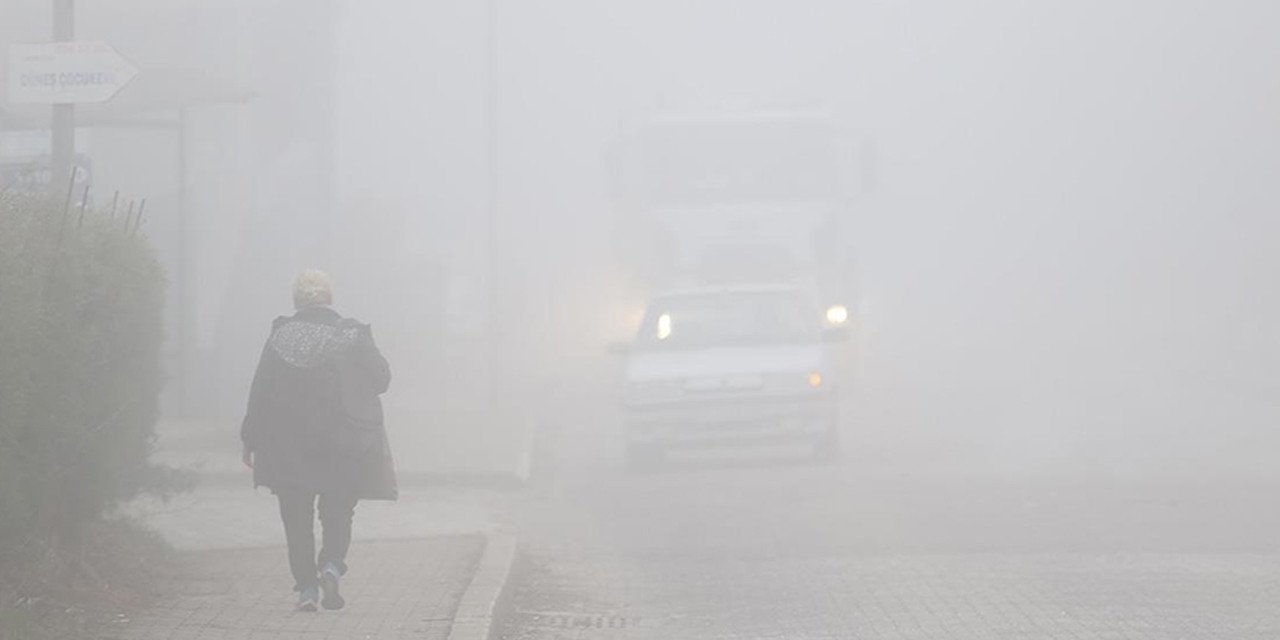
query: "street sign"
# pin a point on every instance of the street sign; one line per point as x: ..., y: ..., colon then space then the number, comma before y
x: 66, y: 72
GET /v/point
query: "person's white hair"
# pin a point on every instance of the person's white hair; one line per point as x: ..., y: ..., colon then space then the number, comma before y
x: 312, y: 289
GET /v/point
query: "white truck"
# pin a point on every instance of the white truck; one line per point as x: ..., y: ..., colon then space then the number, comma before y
x: 735, y: 233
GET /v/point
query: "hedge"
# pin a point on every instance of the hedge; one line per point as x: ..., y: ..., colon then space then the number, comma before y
x: 81, y: 326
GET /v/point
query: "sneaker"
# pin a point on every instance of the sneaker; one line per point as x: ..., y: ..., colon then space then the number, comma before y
x: 329, y: 583
x: 308, y: 599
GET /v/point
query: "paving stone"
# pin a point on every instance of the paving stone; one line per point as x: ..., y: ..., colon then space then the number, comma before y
x: 395, y: 589
x: 960, y: 597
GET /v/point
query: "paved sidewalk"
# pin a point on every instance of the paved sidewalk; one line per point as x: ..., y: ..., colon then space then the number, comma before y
x: 226, y: 512
x: 396, y: 589
x: 235, y: 516
x: 418, y: 567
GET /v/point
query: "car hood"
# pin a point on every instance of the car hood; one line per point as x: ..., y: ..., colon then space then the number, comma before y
x: 676, y: 365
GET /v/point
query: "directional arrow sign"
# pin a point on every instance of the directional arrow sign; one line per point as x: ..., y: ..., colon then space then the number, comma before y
x: 66, y: 72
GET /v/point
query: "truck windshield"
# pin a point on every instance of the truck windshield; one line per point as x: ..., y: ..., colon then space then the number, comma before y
x: 728, y: 320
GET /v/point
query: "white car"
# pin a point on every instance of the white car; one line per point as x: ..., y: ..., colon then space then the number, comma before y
x: 731, y: 365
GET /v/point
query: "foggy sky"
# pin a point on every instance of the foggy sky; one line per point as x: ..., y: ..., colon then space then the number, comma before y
x: 1070, y: 243
x: 1067, y: 256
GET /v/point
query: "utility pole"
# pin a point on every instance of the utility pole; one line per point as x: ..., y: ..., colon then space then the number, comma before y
x: 181, y: 276
x: 494, y: 293
x: 63, y: 122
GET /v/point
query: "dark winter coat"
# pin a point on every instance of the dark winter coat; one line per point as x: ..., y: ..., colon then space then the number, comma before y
x: 315, y: 419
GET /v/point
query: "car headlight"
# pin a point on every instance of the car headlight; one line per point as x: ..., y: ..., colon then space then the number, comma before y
x: 664, y: 326
x: 837, y: 314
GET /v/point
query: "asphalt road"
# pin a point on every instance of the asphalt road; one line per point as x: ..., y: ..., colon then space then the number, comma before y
x: 766, y: 546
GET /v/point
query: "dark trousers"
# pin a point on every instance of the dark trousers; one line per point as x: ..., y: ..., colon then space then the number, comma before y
x: 298, y: 510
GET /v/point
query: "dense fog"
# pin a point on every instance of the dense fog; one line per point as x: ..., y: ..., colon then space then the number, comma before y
x: 1032, y: 239
x: 1060, y: 226
x: 1058, y: 213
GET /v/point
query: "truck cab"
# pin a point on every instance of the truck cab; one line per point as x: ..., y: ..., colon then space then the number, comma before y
x: 731, y: 198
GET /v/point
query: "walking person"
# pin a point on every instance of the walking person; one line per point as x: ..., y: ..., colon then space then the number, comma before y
x: 313, y: 433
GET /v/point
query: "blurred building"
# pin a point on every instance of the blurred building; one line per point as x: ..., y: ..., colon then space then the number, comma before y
x: 227, y: 133
x: 231, y: 133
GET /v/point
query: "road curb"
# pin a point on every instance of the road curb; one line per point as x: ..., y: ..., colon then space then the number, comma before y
x: 478, y: 608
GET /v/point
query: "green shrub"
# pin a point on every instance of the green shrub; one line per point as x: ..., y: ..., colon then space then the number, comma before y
x: 81, y: 326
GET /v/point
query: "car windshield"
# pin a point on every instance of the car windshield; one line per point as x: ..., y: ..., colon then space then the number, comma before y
x: 728, y: 319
